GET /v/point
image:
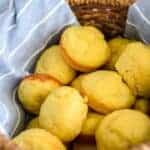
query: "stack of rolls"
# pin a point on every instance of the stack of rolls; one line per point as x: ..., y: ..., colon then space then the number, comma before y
x: 87, y: 93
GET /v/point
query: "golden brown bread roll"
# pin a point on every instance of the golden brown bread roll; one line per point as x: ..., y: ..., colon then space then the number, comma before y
x: 63, y: 113
x: 123, y: 129
x: 76, y: 83
x: 33, y: 90
x: 38, y: 139
x: 90, y: 125
x: 106, y: 91
x: 134, y: 67
x: 84, y: 48
x: 52, y: 63
x: 117, y: 47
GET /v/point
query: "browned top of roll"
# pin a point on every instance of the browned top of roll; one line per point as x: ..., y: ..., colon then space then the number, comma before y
x: 123, y: 3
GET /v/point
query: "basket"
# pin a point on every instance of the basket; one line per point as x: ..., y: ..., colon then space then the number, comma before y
x: 107, y: 15
x: 110, y: 17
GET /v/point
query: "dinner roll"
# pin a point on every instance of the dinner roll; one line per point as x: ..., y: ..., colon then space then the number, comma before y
x: 117, y: 46
x: 134, y: 66
x: 106, y: 91
x: 33, y: 90
x: 38, y: 139
x: 63, y: 113
x: 51, y: 62
x: 122, y: 129
x: 76, y: 83
x: 84, y: 48
x: 90, y: 125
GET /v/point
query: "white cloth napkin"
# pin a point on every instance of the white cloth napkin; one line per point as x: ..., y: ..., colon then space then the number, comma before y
x: 138, y: 22
x: 26, y: 28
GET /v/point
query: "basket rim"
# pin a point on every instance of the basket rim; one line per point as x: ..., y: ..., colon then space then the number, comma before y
x: 115, y: 3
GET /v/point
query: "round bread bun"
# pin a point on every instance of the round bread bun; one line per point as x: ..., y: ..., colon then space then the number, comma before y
x: 84, y: 48
x: 134, y: 66
x: 63, y: 113
x: 33, y: 90
x: 117, y: 46
x: 142, y: 105
x: 38, y: 139
x: 34, y: 123
x: 106, y: 91
x: 76, y: 83
x: 123, y: 129
x: 90, y: 125
x: 51, y: 62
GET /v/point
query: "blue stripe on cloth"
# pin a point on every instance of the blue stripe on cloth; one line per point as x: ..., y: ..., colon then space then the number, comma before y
x: 25, y: 30
x: 32, y: 15
x: 28, y: 33
x: 4, y: 4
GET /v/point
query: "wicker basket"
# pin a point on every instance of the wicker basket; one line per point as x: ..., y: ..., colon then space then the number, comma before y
x: 108, y: 15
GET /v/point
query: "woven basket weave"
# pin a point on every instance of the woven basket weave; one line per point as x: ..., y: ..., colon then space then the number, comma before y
x: 108, y: 15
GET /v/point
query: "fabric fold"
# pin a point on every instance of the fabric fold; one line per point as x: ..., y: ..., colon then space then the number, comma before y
x: 26, y: 27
